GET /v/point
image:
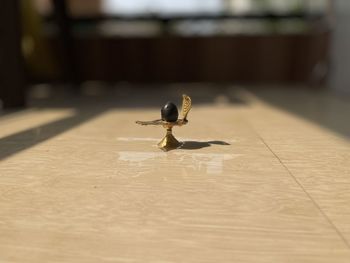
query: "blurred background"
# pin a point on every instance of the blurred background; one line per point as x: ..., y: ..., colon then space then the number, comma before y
x: 55, y: 43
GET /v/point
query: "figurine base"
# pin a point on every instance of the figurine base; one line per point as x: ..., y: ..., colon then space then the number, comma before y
x: 169, y: 142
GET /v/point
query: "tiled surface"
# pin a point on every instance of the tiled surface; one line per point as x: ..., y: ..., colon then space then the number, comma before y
x: 98, y: 190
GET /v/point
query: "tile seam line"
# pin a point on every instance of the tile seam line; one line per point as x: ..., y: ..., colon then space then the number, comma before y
x: 325, y: 216
x: 306, y: 192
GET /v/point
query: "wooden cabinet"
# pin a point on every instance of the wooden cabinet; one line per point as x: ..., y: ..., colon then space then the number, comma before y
x: 11, y: 63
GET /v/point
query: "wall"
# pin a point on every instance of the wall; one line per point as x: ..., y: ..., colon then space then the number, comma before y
x: 340, y: 65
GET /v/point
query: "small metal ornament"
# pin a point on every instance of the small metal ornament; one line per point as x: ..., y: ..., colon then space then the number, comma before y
x: 169, y: 142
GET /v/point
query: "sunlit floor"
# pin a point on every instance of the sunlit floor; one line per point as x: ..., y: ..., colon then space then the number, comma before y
x: 263, y: 176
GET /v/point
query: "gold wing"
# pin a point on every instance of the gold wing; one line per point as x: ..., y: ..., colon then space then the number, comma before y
x: 186, y: 106
x: 155, y: 122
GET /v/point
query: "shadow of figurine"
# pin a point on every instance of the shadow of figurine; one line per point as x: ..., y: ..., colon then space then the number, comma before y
x: 194, y: 145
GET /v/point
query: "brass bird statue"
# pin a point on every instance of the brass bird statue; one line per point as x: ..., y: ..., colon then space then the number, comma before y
x: 169, y: 114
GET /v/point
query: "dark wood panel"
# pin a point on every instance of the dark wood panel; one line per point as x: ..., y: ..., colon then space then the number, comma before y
x: 270, y: 59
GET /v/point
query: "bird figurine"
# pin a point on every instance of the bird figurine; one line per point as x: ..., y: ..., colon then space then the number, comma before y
x: 169, y: 119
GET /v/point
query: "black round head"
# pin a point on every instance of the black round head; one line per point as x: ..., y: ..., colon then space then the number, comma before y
x: 169, y: 112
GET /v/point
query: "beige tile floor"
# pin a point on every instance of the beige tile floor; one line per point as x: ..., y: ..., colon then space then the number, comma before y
x: 264, y: 176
